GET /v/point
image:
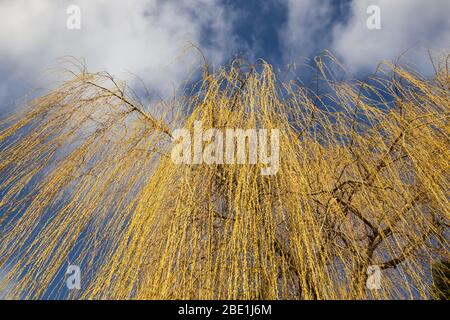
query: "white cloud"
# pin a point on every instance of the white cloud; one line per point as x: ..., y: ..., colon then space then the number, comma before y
x: 146, y: 37
x: 313, y: 26
x: 305, y: 28
x: 405, y: 24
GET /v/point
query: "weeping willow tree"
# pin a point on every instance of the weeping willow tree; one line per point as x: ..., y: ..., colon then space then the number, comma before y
x: 87, y: 179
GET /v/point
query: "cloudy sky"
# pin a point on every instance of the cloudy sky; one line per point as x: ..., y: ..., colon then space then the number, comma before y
x: 149, y: 37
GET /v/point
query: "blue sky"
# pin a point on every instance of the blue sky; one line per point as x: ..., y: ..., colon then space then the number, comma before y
x: 148, y: 37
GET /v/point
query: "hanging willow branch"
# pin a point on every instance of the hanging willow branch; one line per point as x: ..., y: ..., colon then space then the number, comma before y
x: 86, y: 179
